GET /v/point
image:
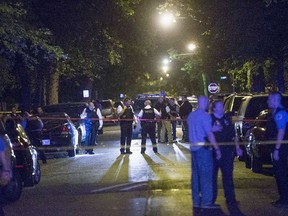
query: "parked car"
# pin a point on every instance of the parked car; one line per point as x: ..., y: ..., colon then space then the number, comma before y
x: 13, y: 190
x: 258, y: 152
x: 27, y: 162
x: 59, y: 133
x: 249, y: 109
x: 73, y: 110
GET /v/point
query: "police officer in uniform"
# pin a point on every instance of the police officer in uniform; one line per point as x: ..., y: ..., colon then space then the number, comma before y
x: 127, y: 119
x: 223, y: 130
x: 277, y: 130
x: 148, y: 124
x: 93, y: 123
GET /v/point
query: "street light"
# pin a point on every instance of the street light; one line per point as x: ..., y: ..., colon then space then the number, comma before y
x: 167, y: 19
x: 191, y: 46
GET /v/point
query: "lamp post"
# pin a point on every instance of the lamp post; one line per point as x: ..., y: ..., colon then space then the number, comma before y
x: 167, y: 19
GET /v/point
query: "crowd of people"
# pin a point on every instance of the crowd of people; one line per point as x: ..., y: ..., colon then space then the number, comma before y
x: 165, y: 114
x: 213, y: 143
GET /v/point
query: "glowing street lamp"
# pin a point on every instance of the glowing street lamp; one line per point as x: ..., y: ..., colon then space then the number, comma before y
x: 167, y: 19
x: 191, y: 47
x: 165, y: 68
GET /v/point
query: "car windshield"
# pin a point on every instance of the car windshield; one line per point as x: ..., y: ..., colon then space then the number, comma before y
x: 106, y: 104
x: 237, y: 103
x: 139, y: 104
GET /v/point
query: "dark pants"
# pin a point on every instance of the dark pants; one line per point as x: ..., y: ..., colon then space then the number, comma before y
x: 185, y: 136
x: 126, y: 135
x: 91, y: 134
x: 281, y: 173
x: 225, y: 164
x: 148, y: 128
x: 159, y: 125
x: 174, y: 125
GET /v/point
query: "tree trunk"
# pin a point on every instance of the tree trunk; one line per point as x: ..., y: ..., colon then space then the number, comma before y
x: 22, y: 73
x: 53, y: 88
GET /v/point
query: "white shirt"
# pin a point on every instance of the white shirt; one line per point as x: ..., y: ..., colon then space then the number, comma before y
x: 148, y: 107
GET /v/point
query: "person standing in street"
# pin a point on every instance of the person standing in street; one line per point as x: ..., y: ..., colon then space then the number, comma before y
x: 277, y: 130
x: 93, y: 123
x: 200, y: 128
x: 159, y: 106
x: 148, y: 124
x: 127, y: 120
x: 173, y: 113
x: 166, y: 127
x: 223, y: 130
x: 33, y: 126
x: 184, y: 111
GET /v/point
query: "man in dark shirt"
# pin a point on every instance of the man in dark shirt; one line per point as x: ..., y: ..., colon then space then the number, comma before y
x: 184, y: 111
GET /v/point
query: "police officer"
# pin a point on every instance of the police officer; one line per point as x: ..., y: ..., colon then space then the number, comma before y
x: 93, y: 123
x: 277, y: 130
x: 127, y: 119
x: 148, y: 124
x: 33, y: 128
x: 223, y: 130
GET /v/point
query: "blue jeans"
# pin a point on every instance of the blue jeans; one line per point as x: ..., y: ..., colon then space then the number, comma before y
x: 202, y: 177
x: 174, y: 125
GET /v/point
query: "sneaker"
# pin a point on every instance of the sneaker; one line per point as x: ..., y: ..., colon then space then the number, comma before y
x: 211, y: 206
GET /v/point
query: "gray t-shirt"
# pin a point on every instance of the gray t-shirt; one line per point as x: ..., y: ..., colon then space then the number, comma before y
x: 199, y: 125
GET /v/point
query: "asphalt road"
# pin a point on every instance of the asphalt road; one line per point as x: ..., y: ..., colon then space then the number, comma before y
x: 111, y: 184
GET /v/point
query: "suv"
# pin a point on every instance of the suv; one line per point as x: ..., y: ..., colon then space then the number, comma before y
x: 259, y: 153
x: 249, y: 109
x: 248, y: 112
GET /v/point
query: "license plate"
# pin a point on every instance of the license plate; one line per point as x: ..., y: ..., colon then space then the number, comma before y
x: 46, y: 142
